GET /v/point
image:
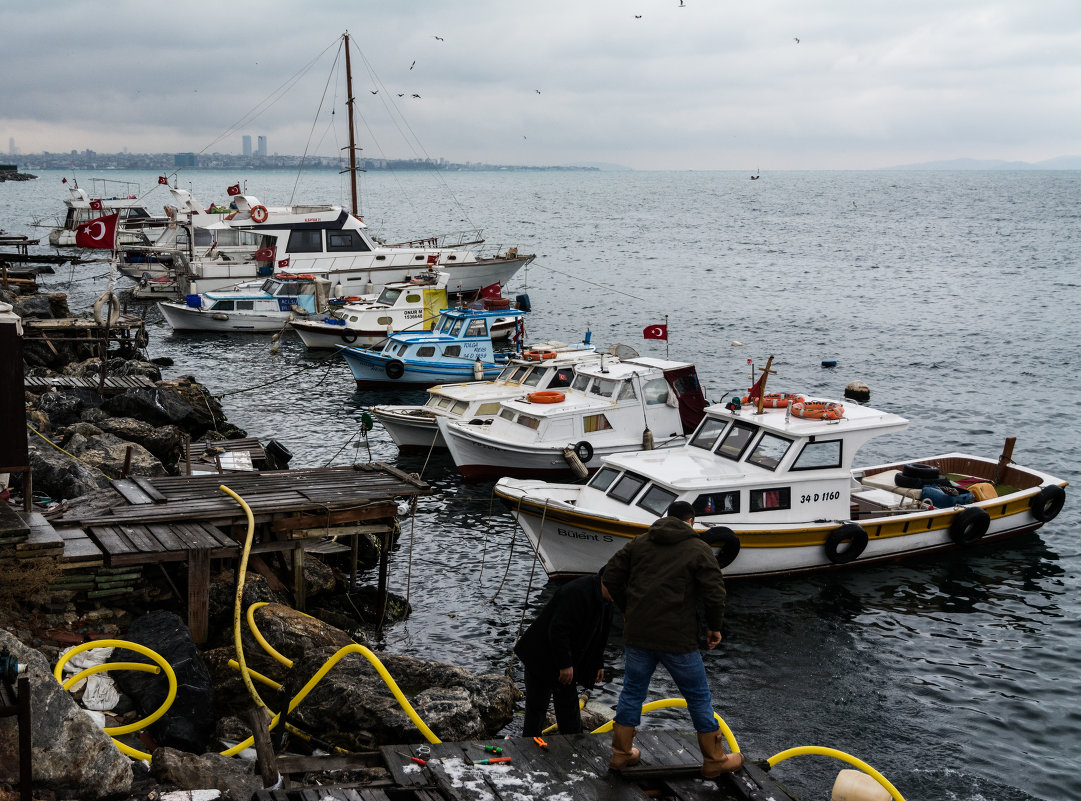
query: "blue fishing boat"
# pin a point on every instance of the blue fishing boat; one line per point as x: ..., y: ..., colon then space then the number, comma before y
x: 459, y: 348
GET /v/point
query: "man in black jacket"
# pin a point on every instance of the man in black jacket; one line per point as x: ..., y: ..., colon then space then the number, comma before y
x: 657, y: 580
x: 563, y: 647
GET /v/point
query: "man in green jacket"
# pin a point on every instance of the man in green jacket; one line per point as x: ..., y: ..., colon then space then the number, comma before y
x: 656, y: 580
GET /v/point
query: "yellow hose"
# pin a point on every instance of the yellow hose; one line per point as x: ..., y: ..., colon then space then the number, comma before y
x: 241, y: 573
x: 818, y: 750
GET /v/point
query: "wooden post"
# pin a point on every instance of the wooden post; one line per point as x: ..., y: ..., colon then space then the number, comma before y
x: 354, y: 547
x: 384, y: 561
x: 198, y: 593
x: 127, y: 463
x: 264, y: 750
x: 1005, y: 459
x: 187, y: 453
x: 26, y: 766
x: 300, y: 586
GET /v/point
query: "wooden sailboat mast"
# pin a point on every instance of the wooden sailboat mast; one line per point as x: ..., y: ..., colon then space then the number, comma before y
x: 352, y: 138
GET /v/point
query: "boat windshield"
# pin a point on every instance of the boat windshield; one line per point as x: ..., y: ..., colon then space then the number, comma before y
x: 508, y: 372
x: 769, y: 451
x: 605, y: 387
x: 603, y: 478
x: 627, y: 487
x: 581, y: 381
x: 706, y: 435
x: 819, y: 455
x: 477, y: 328
x: 562, y: 378
x: 388, y: 296
x: 534, y: 377
x: 735, y: 442
x: 656, y: 500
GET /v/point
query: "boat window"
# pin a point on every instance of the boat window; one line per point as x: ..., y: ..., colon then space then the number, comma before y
x: 562, y: 378
x: 627, y: 487
x: 655, y: 391
x: 528, y: 422
x: 603, y: 386
x: 305, y: 241
x: 626, y: 391
x: 819, y: 455
x: 508, y: 372
x: 252, y: 239
x: 769, y: 451
x: 595, y: 422
x: 477, y: 328
x: 707, y: 433
x: 412, y: 298
x: 452, y: 350
x: 348, y: 241
x: 767, y: 500
x: 222, y: 305
x: 507, y: 414
x: 656, y: 499
x: 717, y: 503
x: 685, y: 384
x: 268, y: 286
x: 488, y: 409
x: 388, y: 296
x: 426, y: 350
x: 384, y: 320
x: 445, y: 323
x: 735, y: 442
x: 534, y: 377
x: 454, y: 329
x: 581, y: 381
x: 603, y: 478
x: 444, y: 403
x: 459, y: 407
x: 204, y: 237
x: 230, y: 236
x: 403, y: 348
x: 434, y: 401
x: 245, y: 305
x: 516, y: 373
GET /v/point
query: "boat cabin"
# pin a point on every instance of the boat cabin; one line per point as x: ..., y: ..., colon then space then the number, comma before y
x: 283, y: 293
x: 458, y: 334
x: 740, y: 466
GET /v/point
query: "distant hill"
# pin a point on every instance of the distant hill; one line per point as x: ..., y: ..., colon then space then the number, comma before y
x: 604, y: 166
x: 1057, y: 163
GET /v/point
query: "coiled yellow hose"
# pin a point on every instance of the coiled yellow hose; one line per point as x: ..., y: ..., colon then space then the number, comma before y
x: 818, y: 750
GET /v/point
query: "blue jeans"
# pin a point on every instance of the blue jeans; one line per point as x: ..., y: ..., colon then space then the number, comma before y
x: 689, y: 674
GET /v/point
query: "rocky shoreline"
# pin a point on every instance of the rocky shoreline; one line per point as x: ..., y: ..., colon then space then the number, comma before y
x: 79, y: 443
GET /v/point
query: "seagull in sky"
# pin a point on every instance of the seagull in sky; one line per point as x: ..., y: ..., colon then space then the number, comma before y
x: 638, y: 16
x: 682, y: 4
x: 416, y: 96
x: 374, y: 91
x: 412, y: 65
x: 796, y: 38
x: 401, y: 94
x: 538, y: 91
x: 440, y: 38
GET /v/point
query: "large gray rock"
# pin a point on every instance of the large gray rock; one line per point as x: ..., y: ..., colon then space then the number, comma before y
x: 234, y: 777
x: 62, y: 408
x: 157, y: 406
x: 59, y: 476
x: 109, y: 453
x: 71, y: 756
x: 164, y: 442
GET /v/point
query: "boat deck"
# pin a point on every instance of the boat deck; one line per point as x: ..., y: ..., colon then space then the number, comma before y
x: 572, y: 766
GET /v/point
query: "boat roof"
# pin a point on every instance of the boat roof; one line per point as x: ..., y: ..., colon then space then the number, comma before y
x: 618, y: 369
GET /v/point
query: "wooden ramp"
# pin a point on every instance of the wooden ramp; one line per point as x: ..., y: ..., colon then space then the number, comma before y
x: 113, y: 385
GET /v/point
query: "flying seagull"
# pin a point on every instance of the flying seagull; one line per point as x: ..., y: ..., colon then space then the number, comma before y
x: 682, y: 4
x: 638, y: 16
x: 416, y: 96
x: 412, y: 65
x: 538, y: 91
x: 796, y: 38
x: 401, y: 94
x: 374, y: 91
x: 440, y: 38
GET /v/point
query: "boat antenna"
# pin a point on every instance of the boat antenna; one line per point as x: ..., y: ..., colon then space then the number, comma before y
x: 349, y: 101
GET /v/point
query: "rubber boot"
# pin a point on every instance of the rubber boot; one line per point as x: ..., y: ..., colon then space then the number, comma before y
x: 624, y: 754
x: 715, y: 760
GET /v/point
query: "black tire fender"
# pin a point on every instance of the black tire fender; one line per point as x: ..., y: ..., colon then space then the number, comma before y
x: 908, y: 482
x: 349, y: 336
x: 728, y: 541
x: 584, y: 451
x: 395, y: 369
x: 836, y: 550
x: 970, y: 524
x: 916, y: 470
x: 1046, y: 504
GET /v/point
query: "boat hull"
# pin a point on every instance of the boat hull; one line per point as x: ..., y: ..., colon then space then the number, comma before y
x: 370, y: 371
x: 184, y: 318
x: 571, y: 541
x: 321, y: 336
x: 411, y: 431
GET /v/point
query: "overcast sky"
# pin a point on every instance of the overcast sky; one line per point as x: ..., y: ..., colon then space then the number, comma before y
x: 714, y: 84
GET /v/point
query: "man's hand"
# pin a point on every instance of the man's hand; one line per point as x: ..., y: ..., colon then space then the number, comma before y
x: 713, y: 639
x: 600, y: 677
x: 566, y: 675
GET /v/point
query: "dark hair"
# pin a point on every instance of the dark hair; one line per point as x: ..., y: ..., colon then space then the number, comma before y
x: 682, y: 510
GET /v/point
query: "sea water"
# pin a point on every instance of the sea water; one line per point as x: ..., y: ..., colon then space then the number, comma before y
x: 953, y: 295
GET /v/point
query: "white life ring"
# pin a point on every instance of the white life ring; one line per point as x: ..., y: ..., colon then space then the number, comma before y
x: 109, y: 318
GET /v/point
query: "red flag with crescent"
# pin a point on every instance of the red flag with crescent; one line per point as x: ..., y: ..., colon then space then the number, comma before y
x: 99, y: 233
x: 163, y: 180
x: 491, y: 291
x: 283, y: 263
x: 96, y: 205
x: 233, y: 190
x: 655, y: 332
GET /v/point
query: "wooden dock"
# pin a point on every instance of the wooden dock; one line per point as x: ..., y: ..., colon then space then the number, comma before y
x: 161, y: 520
x: 572, y: 766
x: 113, y: 385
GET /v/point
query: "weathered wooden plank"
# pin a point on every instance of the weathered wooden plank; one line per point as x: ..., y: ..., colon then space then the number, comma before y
x: 198, y: 594
x: 146, y: 486
x: 131, y: 491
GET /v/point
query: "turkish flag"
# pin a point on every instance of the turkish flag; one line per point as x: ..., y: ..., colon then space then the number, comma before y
x: 63, y: 180
x: 96, y: 205
x: 283, y: 262
x: 233, y: 190
x: 433, y: 258
x: 490, y: 291
x: 99, y: 233
x: 163, y: 180
x: 655, y: 332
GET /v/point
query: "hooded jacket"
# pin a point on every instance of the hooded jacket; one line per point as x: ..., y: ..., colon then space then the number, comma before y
x: 657, y: 579
x: 570, y: 631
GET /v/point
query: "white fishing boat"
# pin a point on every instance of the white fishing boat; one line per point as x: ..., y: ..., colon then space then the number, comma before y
x: 544, y: 366
x: 259, y: 306
x: 105, y: 197
x: 777, y: 493
x: 406, y: 306
x: 459, y: 348
x: 612, y: 405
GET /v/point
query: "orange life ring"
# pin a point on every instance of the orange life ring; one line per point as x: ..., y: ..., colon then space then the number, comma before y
x: 776, y: 400
x: 540, y: 356
x: 305, y: 277
x: 259, y: 214
x: 546, y: 396
x: 817, y: 410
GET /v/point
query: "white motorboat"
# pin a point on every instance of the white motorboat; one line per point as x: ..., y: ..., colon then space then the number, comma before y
x: 544, y: 366
x: 777, y: 493
x: 259, y: 306
x: 611, y: 406
x: 105, y: 197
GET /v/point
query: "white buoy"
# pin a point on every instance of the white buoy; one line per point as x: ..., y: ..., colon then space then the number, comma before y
x: 855, y: 785
x: 575, y: 463
x: 478, y: 370
x: 647, y: 440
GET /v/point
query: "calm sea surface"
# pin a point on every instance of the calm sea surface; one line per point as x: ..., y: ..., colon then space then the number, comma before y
x: 955, y: 296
